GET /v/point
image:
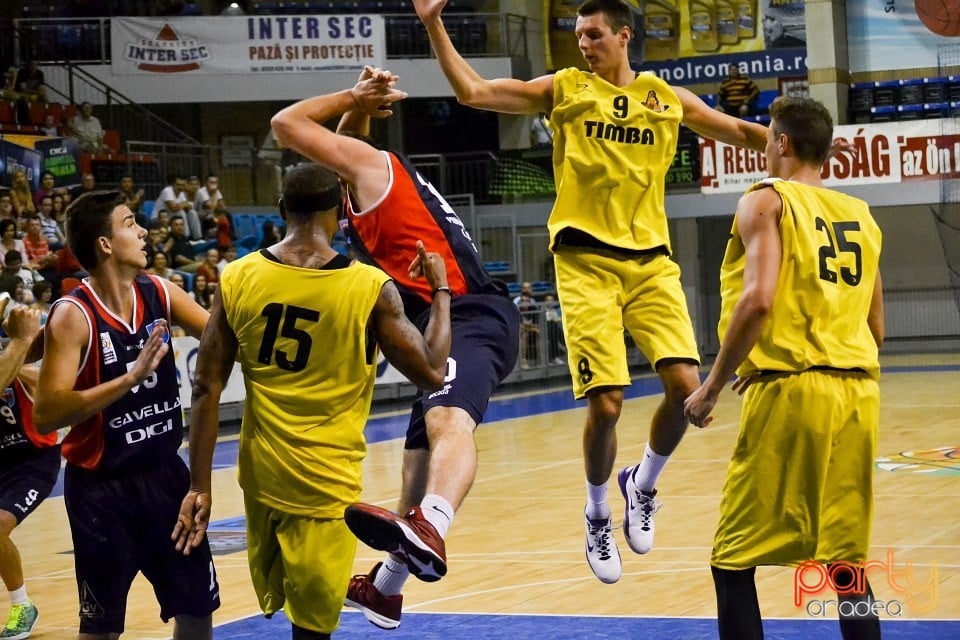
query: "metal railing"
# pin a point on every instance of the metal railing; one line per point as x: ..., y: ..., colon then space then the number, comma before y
x: 87, y: 40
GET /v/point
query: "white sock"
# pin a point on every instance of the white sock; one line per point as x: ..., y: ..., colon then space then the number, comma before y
x: 19, y: 596
x: 597, y: 506
x: 438, y: 512
x: 391, y: 577
x: 648, y: 471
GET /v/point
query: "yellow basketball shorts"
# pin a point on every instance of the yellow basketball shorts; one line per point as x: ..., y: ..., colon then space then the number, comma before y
x: 601, y: 294
x: 300, y: 564
x: 800, y: 484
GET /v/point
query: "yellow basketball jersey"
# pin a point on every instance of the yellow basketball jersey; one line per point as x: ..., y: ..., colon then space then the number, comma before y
x: 831, y: 254
x: 309, y: 375
x: 612, y: 148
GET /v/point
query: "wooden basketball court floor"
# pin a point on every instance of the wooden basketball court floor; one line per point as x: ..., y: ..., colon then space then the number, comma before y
x: 515, y: 551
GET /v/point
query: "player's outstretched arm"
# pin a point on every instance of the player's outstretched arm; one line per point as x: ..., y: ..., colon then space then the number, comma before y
x: 506, y: 95
x: 218, y: 349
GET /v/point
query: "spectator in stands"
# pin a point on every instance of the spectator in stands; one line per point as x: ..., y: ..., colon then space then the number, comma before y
x: 209, y: 197
x: 526, y: 289
x: 87, y: 184
x: 37, y: 250
x: 738, y: 94
x: 21, y: 195
x: 194, y: 216
x: 134, y: 198
x: 10, y: 84
x: 180, y: 250
x: 9, y: 239
x: 529, y: 326
x: 160, y: 266
x: 200, y: 292
x: 30, y: 83
x: 48, y: 225
x: 156, y: 242
x: 6, y: 205
x: 177, y: 279
x: 551, y: 316
x: 88, y: 130
x: 50, y: 126
x: 173, y: 199
x: 224, y: 230
x: 271, y: 235
x: 209, y: 269
x: 228, y: 255
x: 13, y: 268
x: 14, y: 287
x: 42, y: 297
x: 47, y: 181
x: 212, y: 209
x: 59, y: 211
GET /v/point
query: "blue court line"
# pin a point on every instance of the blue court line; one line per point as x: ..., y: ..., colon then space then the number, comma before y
x: 468, y: 626
x: 394, y: 425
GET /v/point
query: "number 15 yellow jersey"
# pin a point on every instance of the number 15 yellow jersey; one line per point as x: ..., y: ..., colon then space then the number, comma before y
x: 309, y: 369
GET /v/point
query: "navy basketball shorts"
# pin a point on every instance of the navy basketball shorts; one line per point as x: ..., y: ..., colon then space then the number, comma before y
x: 27, y: 482
x: 485, y: 340
x: 121, y: 524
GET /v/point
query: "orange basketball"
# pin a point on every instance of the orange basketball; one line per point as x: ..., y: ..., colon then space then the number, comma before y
x: 940, y: 16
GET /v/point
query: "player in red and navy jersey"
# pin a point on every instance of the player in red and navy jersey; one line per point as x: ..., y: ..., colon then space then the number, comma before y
x: 389, y: 206
x: 108, y: 372
x: 29, y: 462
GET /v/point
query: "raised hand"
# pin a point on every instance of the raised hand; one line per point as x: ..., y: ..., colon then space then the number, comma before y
x: 430, y: 266
x: 23, y: 323
x: 375, y: 92
x: 428, y: 9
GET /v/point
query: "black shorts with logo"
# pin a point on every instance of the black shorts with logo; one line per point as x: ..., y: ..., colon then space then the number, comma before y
x: 484, y: 343
x: 27, y: 482
x: 121, y: 524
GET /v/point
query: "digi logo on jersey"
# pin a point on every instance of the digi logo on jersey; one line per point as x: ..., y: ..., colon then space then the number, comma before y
x: 139, y: 435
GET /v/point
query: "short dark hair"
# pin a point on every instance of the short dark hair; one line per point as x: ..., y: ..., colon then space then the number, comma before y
x: 88, y: 218
x: 12, y: 256
x: 39, y: 287
x: 617, y: 13
x: 308, y: 188
x: 807, y: 123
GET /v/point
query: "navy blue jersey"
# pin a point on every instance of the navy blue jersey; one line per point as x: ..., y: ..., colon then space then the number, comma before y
x: 386, y: 234
x: 19, y: 439
x: 145, y: 426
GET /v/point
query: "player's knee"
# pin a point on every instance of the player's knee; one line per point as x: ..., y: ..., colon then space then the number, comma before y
x: 604, y: 407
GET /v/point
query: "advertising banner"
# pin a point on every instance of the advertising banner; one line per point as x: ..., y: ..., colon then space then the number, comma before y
x: 15, y: 157
x: 61, y: 157
x: 876, y: 28
x: 695, y: 41
x: 890, y: 152
x: 246, y: 44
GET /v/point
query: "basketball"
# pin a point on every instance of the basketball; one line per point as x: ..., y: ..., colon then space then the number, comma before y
x: 940, y: 16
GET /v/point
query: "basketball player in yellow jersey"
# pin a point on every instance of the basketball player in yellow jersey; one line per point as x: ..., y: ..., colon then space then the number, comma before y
x: 306, y: 323
x: 801, y: 322
x: 615, y: 135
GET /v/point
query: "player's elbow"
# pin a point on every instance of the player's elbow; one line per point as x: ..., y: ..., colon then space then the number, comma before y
x: 282, y: 128
x: 43, y: 421
x: 435, y: 380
